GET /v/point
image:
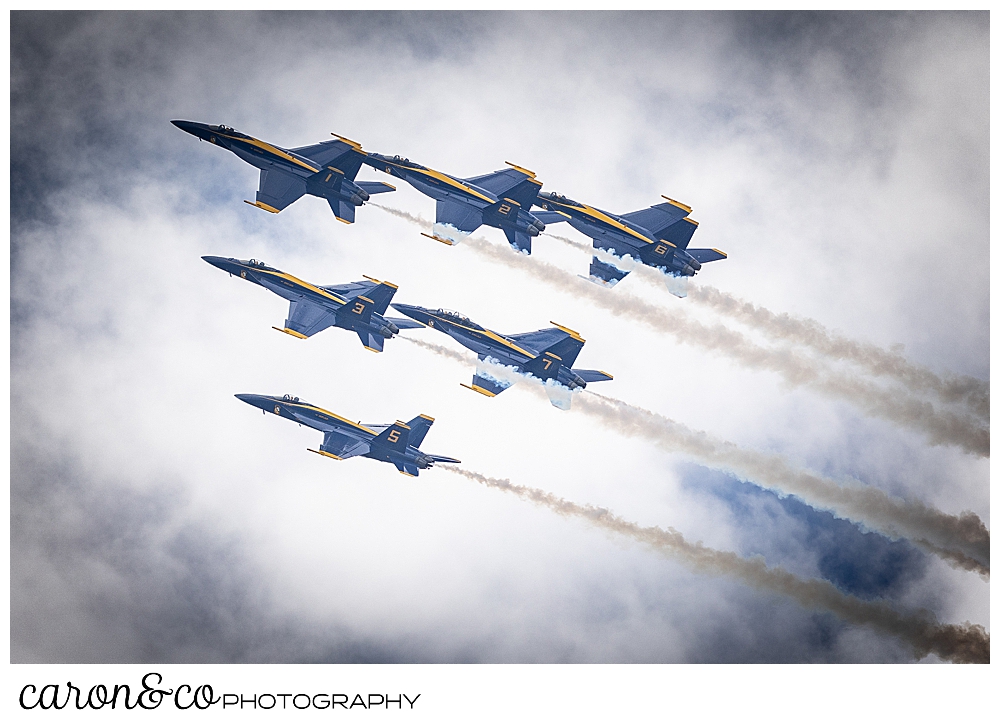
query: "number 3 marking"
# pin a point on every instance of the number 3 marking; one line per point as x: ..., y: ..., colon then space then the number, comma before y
x: 358, y: 308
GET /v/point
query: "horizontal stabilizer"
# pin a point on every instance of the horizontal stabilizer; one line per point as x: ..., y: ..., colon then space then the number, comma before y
x: 306, y: 319
x: 593, y: 375
x: 707, y: 255
x: 278, y: 189
x: 560, y: 397
x: 340, y: 446
x: 375, y: 187
x: 606, y: 273
x: 372, y: 342
x: 443, y: 459
x: 405, y: 323
x: 419, y: 426
x: 487, y: 385
x: 395, y: 437
x: 461, y: 216
x: 343, y: 210
x: 407, y: 468
x: 550, y: 217
x: 518, y: 239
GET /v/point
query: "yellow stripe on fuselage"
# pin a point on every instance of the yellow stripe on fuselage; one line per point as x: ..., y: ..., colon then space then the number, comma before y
x: 446, y: 179
x: 489, y: 333
x: 296, y: 280
x: 334, y: 415
x: 274, y: 150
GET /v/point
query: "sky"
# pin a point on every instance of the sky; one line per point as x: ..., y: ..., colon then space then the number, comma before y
x: 840, y: 159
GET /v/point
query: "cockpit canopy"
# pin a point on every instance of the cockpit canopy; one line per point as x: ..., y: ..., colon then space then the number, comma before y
x: 254, y: 262
x: 453, y: 314
x: 289, y: 398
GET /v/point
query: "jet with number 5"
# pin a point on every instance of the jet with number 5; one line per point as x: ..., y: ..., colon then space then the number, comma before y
x: 357, y: 305
x: 657, y: 236
x: 501, y: 199
x: 398, y: 443
x: 326, y: 169
x: 547, y: 355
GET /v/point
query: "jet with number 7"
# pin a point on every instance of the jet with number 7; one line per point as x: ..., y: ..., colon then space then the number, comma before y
x: 547, y: 355
x: 355, y: 305
x: 398, y: 443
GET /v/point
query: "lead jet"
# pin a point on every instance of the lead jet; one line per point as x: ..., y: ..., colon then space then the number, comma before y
x: 398, y: 443
x: 501, y: 199
x: 657, y: 236
x: 356, y: 305
x: 547, y: 355
x: 326, y: 169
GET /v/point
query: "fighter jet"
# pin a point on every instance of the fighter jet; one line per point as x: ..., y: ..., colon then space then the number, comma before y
x: 657, y: 236
x: 547, y: 354
x: 398, y: 443
x: 356, y: 305
x: 501, y: 199
x: 326, y: 169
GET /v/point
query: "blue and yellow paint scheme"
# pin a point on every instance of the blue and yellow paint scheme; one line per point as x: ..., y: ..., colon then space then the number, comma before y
x: 398, y: 443
x: 547, y: 354
x: 657, y: 236
x: 501, y: 199
x: 359, y: 306
x: 326, y: 169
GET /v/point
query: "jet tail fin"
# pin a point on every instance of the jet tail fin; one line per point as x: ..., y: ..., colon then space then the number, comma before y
x: 518, y: 239
x: 407, y: 468
x: 375, y: 187
x: 372, y: 342
x: 343, y: 210
x: 679, y: 234
x: 606, y: 273
x: 357, y: 311
x: 419, y: 426
x: 381, y: 294
x: 395, y: 437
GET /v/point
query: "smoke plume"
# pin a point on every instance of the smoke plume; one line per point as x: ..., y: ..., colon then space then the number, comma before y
x: 965, y: 643
x: 973, y: 393
x: 963, y: 541
x: 942, y: 427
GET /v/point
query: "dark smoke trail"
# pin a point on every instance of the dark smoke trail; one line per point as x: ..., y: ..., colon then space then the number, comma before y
x: 965, y: 390
x: 941, y: 427
x: 963, y: 541
x: 964, y: 644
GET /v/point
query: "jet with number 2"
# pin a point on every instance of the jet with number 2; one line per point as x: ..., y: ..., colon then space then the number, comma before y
x: 357, y: 305
x: 398, y: 443
x: 657, y: 236
x: 326, y: 169
x: 501, y: 199
x: 547, y: 354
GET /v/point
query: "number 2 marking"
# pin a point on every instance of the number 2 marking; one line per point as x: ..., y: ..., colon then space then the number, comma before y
x: 504, y: 209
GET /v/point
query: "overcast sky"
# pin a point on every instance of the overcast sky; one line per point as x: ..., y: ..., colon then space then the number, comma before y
x: 841, y: 160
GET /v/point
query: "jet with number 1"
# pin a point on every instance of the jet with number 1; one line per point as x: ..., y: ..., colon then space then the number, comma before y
x: 398, y: 443
x: 547, y: 355
x: 326, y: 169
x: 501, y: 199
x: 356, y: 305
x: 657, y: 236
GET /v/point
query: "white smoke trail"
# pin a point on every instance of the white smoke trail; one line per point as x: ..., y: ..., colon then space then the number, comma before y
x: 942, y: 427
x: 953, y: 389
x: 963, y: 541
x: 965, y: 643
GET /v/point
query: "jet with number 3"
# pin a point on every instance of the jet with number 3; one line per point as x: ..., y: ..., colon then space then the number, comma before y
x: 357, y: 305
x: 501, y: 199
x: 398, y: 443
x: 657, y: 236
x: 547, y: 355
x: 326, y: 169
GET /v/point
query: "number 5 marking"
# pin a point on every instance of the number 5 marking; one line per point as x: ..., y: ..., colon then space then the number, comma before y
x: 394, y: 436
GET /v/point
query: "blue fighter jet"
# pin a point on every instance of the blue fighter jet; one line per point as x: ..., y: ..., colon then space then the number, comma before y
x: 547, y: 354
x: 501, y: 199
x: 657, y: 236
x: 398, y: 443
x: 356, y: 305
x: 326, y: 169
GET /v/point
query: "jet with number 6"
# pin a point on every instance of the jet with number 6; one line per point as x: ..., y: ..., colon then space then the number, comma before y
x: 501, y: 199
x: 356, y: 305
x: 657, y: 236
x: 547, y: 355
x: 398, y: 443
x: 326, y: 169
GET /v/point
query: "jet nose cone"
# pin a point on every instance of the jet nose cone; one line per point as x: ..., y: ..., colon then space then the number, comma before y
x: 246, y: 398
x: 410, y: 310
x: 200, y: 130
x: 220, y: 261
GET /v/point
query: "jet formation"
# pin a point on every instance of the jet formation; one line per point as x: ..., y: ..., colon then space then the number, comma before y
x: 358, y: 306
x: 547, y: 355
x: 398, y: 443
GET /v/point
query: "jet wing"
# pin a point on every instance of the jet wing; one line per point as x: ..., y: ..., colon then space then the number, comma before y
x: 306, y: 319
x: 338, y: 155
x: 378, y: 293
x: 343, y: 446
x: 462, y: 216
x: 278, y: 189
x: 486, y: 383
x: 509, y: 182
x: 606, y: 274
x: 657, y: 218
x: 550, y: 217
